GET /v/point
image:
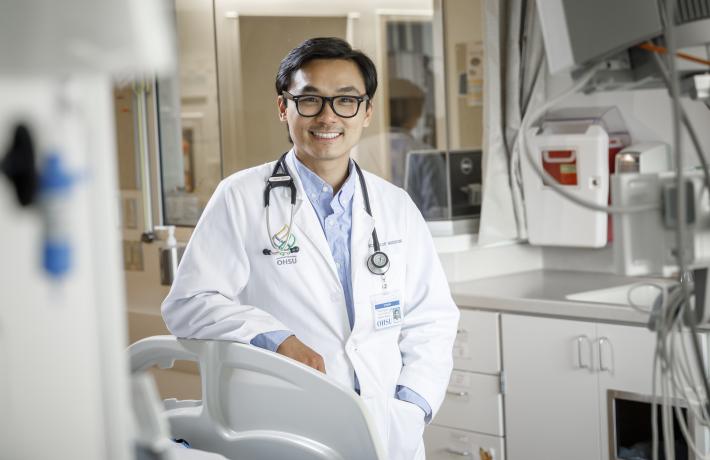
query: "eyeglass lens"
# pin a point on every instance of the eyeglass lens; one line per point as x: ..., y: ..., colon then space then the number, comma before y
x: 343, y: 106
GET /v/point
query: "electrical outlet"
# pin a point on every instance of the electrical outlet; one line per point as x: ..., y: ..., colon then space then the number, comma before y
x: 130, y: 213
x: 132, y: 255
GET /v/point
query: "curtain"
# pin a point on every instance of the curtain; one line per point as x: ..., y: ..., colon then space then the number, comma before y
x: 513, y: 64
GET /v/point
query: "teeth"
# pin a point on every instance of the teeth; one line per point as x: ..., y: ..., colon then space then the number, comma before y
x: 326, y: 135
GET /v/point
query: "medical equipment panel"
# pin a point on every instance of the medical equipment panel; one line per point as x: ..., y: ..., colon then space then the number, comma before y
x: 575, y: 147
x: 577, y: 32
x: 647, y: 157
x: 645, y: 241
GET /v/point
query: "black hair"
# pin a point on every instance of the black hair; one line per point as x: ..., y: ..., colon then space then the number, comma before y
x: 325, y: 48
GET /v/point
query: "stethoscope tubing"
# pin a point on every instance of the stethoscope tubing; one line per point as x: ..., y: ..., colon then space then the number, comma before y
x: 285, y: 179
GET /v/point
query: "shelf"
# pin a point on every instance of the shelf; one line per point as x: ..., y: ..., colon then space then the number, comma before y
x: 455, y: 243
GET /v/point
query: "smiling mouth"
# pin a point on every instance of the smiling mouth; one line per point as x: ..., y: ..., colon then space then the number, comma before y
x: 326, y: 136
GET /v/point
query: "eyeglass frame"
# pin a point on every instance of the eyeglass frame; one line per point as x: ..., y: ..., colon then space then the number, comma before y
x: 323, y: 99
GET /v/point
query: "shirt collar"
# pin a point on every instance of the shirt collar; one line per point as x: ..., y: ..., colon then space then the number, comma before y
x: 314, y: 186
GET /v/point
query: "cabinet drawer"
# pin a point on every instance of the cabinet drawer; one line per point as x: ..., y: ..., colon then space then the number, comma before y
x: 448, y: 444
x: 473, y: 402
x: 477, y: 346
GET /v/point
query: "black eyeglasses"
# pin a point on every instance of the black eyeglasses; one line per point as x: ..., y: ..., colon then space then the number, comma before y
x: 309, y: 105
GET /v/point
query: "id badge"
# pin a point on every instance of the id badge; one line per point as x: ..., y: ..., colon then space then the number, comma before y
x: 387, y: 308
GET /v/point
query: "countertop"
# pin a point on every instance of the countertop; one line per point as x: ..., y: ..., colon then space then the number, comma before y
x: 544, y: 292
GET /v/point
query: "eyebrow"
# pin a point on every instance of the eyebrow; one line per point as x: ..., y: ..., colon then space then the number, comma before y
x: 342, y: 89
x: 347, y: 89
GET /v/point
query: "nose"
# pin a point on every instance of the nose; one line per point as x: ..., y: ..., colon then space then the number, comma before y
x: 327, y: 114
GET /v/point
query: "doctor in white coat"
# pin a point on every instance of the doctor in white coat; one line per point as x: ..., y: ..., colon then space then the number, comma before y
x: 345, y: 279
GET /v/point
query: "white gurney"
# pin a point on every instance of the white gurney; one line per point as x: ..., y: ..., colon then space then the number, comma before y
x: 260, y: 405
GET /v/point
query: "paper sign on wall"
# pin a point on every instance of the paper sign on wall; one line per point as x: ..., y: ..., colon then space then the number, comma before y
x: 474, y: 73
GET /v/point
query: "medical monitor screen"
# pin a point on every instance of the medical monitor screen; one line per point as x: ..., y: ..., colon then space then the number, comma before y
x: 465, y: 177
x: 444, y: 186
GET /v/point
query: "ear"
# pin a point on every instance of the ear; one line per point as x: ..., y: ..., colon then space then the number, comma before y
x: 368, y: 114
x: 281, y: 103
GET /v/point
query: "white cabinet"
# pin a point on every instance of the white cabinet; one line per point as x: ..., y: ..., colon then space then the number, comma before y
x: 557, y: 376
x: 469, y: 424
x: 473, y: 402
x: 551, y: 398
x: 477, y: 346
x: 449, y: 444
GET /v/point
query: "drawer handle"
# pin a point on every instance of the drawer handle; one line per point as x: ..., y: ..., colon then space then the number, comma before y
x: 460, y: 453
x: 580, y: 355
x: 460, y: 394
x: 604, y: 364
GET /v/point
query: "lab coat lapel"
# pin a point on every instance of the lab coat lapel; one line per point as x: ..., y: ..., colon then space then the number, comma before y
x: 360, y: 241
x: 306, y: 221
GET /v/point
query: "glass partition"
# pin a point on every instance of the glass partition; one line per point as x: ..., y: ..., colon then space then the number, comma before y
x: 188, y: 118
x: 407, y: 83
x: 218, y: 115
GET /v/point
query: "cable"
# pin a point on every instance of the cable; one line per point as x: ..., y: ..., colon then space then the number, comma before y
x: 699, y: 412
x: 680, y: 192
x: 672, y: 82
x: 648, y: 46
x: 686, y: 122
x: 549, y: 180
x: 688, y: 437
x: 654, y: 405
x: 691, y: 411
x: 677, y: 365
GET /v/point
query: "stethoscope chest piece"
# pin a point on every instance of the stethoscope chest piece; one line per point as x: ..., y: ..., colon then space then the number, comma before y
x: 378, y: 263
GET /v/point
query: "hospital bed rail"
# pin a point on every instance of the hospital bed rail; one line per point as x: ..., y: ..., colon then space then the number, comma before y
x: 260, y: 405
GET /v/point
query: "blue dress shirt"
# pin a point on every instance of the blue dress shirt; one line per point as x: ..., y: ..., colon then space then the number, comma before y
x: 335, y: 216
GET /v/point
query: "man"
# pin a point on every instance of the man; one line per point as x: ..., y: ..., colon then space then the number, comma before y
x: 388, y: 336
x: 425, y: 172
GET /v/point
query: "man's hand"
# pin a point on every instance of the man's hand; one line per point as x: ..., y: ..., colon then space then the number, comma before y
x: 295, y: 349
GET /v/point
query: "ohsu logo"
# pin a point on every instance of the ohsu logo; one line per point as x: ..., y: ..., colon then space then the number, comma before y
x: 384, y: 322
x: 287, y: 260
x: 279, y: 240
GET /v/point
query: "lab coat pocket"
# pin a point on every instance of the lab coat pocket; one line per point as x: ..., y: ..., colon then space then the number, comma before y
x: 378, y: 409
x: 406, y: 426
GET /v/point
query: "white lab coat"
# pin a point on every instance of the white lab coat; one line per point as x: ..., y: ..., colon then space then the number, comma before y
x: 227, y: 289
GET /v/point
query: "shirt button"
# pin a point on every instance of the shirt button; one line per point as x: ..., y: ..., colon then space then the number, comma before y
x: 313, y: 195
x: 331, y: 222
x: 325, y: 189
x: 337, y: 264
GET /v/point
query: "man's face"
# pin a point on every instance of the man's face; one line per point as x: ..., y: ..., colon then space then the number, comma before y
x: 325, y: 137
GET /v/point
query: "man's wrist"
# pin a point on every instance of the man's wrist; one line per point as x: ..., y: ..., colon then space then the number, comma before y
x: 404, y: 393
x: 271, y: 340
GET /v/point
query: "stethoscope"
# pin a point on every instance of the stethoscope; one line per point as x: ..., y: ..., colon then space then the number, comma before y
x: 378, y: 263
